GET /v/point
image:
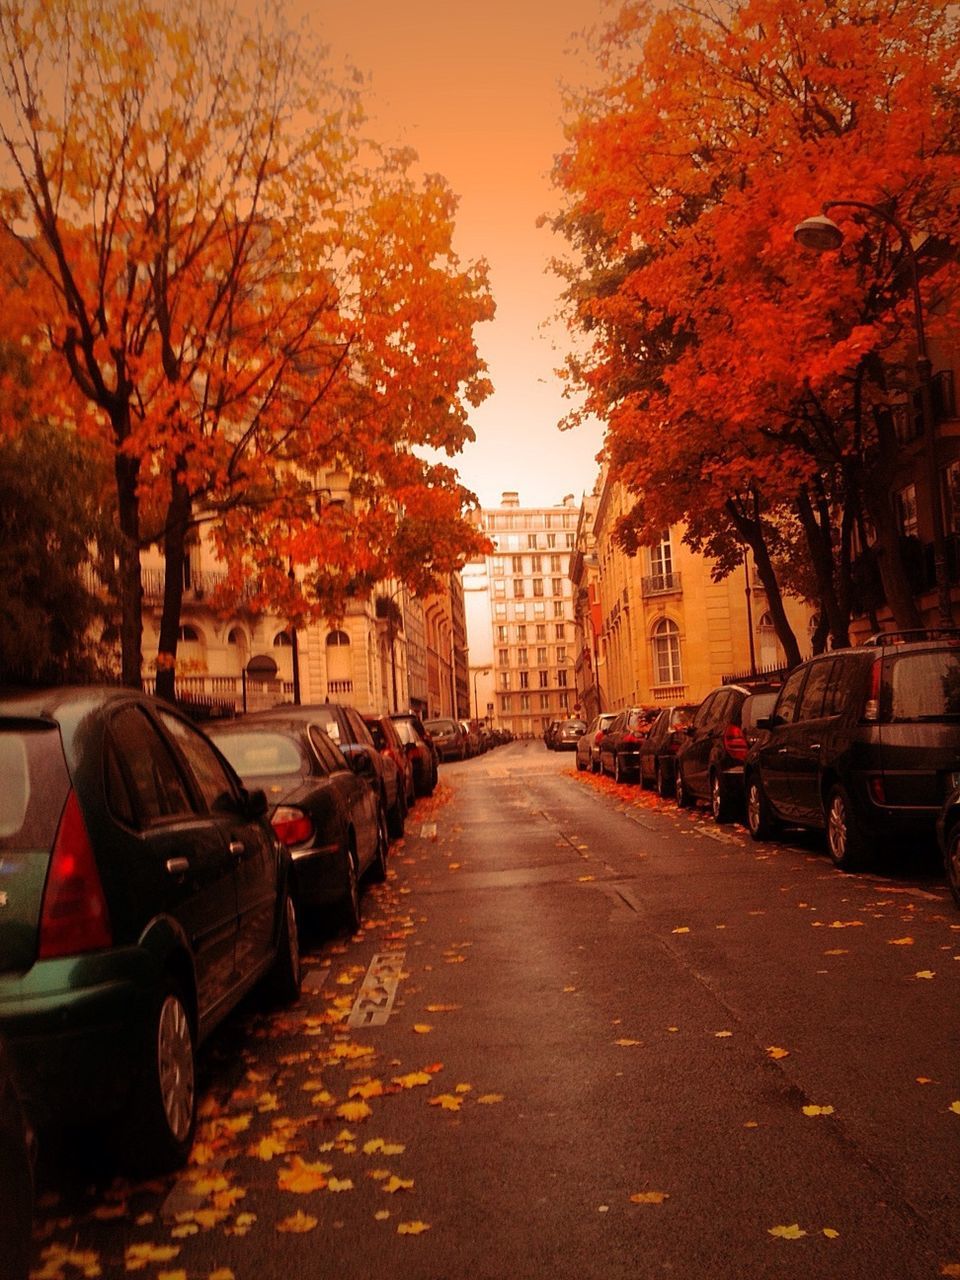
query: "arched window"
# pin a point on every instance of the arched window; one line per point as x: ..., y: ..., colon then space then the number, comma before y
x: 337, y: 638
x: 339, y: 658
x: 769, y: 655
x: 237, y: 643
x: 666, y: 653
x: 281, y: 640
x: 189, y: 635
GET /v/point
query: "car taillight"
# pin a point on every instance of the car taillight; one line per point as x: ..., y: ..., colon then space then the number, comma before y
x: 74, y: 916
x: 871, y: 708
x: 734, y: 742
x: 598, y: 735
x: 292, y: 825
x: 877, y: 791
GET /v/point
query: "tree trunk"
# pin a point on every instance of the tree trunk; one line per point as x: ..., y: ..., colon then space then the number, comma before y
x: 174, y: 550
x: 820, y: 545
x: 877, y: 497
x: 750, y: 529
x: 126, y: 470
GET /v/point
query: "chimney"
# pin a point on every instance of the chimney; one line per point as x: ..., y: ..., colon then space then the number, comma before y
x: 510, y: 498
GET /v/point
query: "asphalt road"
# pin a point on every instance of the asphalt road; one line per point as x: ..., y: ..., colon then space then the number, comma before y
x: 580, y: 1035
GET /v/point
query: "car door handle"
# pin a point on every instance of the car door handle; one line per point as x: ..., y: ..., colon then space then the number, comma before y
x: 814, y: 746
x: 178, y: 866
x: 782, y: 751
x: 237, y: 847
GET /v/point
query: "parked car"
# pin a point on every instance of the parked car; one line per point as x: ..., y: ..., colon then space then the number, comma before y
x: 448, y: 738
x: 418, y: 745
x: 948, y: 834
x: 620, y: 745
x: 658, y: 751
x: 550, y: 733
x: 709, y: 766
x: 569, y: 734
x: 145, y: 893
x: 347, y: 730
x: 17, y: 1157
x: 863, y: 743
x: 387, y: 741
x: 472, y: 735
x: 588, y: 744
x: 330, y: 819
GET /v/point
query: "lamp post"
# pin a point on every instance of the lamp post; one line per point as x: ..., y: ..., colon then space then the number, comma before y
x: 294, y: 649
x: 821, y: 233
x: 478, y: 671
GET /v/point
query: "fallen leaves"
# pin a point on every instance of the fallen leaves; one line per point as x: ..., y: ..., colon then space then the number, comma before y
x: 297, y: 1224
x: 649, y: 1197
x: 395, y: 1184
x: 137, y: 1256
x: 793, y: 1232
x: 813, y: 1110
x: 775, y: 1052
x: 302, y: 1178
x: 354, y: 1111
x: 925, y: 973
x: 412, y: 1228
x: 447, y: 1101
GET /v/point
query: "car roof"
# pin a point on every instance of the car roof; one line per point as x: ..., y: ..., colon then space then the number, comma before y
x: 64, y: 702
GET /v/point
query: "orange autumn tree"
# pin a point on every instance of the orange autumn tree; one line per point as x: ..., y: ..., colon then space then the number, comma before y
x: 244, y: 294
x: 748, y: 384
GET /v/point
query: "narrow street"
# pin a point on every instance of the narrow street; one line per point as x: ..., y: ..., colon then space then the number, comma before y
x: 581, y: 1034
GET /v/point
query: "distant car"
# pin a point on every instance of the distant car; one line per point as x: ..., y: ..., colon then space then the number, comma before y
x: 659, y: 748
x: 588, y: 745
x: 347, y: 730
x: 864, y: 744
x: 388, y: 743
x: 474, y: 741
x: 569, y: 734
x: 330, y: 819
x: 550, y: 735
x: 419, y: 747
x: 145, y: 894
x: 620, y: 745
x: 709, y: 766
x: 17, y: 1156
x: 448, y: 738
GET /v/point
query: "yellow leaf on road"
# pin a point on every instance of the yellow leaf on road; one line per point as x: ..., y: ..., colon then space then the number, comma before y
x: 412, y: 1228
x: 626, y: 1043
x: 900, y: 942
x: 340, y: 1184
x: 397, y: 1184
x: 448, y: 1101
x: 267, y: 1148
x: 793, y: 1232
x: 775, y: 1052
x: 382, y: 1214
x: 722, y: 1035
x: 683, y: 929
x: 443, y: 1008
x: 813, y: 1110
x: 412, y: 1079
x: 371, y: 1089
x: 650, y: 1197
x: 386, y: 1148
x: 489, y: 1098
x: 830, y: 1233
x: 354, y: 1111
x: 301, y: 1177
x: 925, y: 973
x: 955, y: 1108
x: 137, y: 1256
x: 297, y: 1224
x: 422, y: 1028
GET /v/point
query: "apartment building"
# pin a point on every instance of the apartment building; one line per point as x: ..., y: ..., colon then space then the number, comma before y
x: 527, y: 623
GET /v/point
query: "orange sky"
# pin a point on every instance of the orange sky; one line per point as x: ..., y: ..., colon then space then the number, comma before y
x: 474, y: 89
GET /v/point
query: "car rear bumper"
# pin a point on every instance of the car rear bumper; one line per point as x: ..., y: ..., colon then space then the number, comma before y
x: 319, y: 876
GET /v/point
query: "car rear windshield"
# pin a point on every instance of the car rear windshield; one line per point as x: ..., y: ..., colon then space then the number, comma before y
x: 923, y: 685
x: 34, y: 787
x: 377, y: 734
x: 406, y: 731
x: 440, y: 726
x: 641, y: 717
x: 261, y: 755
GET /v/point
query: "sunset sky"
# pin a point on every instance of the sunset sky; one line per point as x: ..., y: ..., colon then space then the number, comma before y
x: 474, y: 88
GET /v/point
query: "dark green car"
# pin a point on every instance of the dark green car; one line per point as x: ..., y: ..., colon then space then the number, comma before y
x: 142, y: 894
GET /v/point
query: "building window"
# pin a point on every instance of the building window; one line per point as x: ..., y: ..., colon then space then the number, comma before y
x: 498, y: 568
x: 768, y: 642
x: 522, y: 634
x: 504, y: 679
x: 544, y: 702
x: 548, y: 521
x: 542, y: 655
x: 561, y: 654
x: 499, y: 587
x: 560, y: 630
x: 538, y: 586
x: 499, y: 609
x: 505, y: 706
x: 502, y: 634
x: 539, y: 610
x: 524, y: 679
x: 562, y: 679
x: 569, y: 541
x: 520, y: 610
x: 521, y: 657
x: 524, y: 702
x: 564, y: 701
x: 518, y: 591
x: 544, y: 678
x: 190, y: 635
x: 558, y: 608
x: 907, y: 511
x: 503, y: 657
x: 280, y: 640
x: 951, y: 497
x: 541, y: 631
x: 554, y: 564
x: 516, y: 563
x: 536, y: 564
x: 558, y: 586
x: 666, y: 652
x: 551, y: 539
x: 531, y: 542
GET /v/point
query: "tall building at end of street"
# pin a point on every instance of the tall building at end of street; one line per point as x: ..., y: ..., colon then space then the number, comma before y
x: 519, y: 606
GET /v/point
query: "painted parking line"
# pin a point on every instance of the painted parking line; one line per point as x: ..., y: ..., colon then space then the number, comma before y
x: 374, y: 1002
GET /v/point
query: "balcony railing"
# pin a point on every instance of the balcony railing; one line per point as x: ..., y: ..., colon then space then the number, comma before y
x: 658, y: 584
x: 669, y: 693
x: 228, y: 695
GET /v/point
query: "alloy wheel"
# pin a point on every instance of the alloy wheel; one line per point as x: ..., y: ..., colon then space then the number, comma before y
x: 175, y: 1066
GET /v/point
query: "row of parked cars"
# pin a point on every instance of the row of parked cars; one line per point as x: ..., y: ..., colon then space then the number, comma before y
x: 151, y: 874
x: 464, y: 739
x: 862, y: 744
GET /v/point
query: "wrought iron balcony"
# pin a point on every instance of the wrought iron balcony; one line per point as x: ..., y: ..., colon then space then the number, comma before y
x: 658, y: 584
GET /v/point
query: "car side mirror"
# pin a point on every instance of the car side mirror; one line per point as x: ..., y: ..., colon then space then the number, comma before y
x: 358, y: 758
x: 255, y: 803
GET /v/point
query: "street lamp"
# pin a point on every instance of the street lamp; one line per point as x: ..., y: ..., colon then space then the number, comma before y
x: 478, y: 671
x: 822, y: 234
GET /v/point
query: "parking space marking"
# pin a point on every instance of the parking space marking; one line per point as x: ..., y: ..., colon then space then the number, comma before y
x: 374, y: 1002
x: 428, y: 831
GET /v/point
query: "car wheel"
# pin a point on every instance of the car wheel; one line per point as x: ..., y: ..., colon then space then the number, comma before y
x: 285, y: 975
x: 162, y: 1116
x: 664, y: 789
x: 760, y: 820
x: 951, y: 860
x: 720, y: 804
x: 350, y: 903
x: 396, y: 817
x: 580, y: 765
x: 617, y: 768
x: 682, y: 792
x: 846, y: 839
x: 378, y: 868
x: 595, y: 765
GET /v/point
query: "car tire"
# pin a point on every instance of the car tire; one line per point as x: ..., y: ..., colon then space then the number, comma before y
x: 397, y: 816
x: 286, y: 973
x: 847, y: 841
x: 664, y: 789
x: 761, y: 823
x: 682, y: 792
x: 617, y: 769
x: 951, y: 862
x: 580, y: 765
x: 595, y: 765
x: 721, y: 805
x: 378, y: 868
x: 350, y: 902
x: 162, y: 1116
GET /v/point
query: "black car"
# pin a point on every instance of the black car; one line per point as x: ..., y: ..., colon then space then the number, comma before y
x: 569, y: 734
x: 332, y: 822
x: 620, y: 745
x: 419, y: 747
x: 144, y: 894
x: 659, y: 748
x: 862, y: 743
x: 17, y: 1155
x: 709, y: 766
x: 347, y: 730
x: 448, y: 738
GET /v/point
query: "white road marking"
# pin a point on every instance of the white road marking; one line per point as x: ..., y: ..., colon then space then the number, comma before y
x: 374, y: 1002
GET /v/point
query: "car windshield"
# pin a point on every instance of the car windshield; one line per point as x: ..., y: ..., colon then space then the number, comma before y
x: 377, y: 734
x: 641, y: 718
x: 35, y: 785
x: 260, y: 755
x: 440, y: 726
x: 406, y: 731
x: 922, y: 686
